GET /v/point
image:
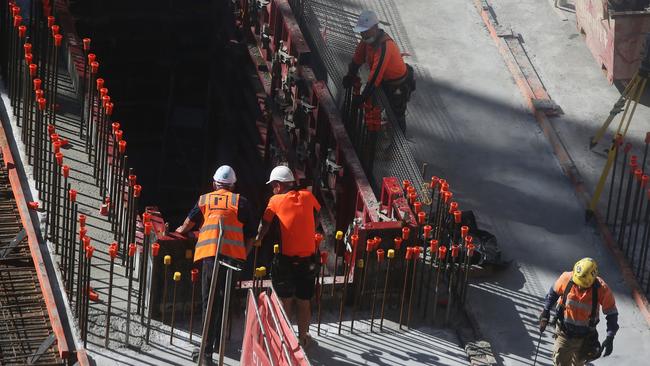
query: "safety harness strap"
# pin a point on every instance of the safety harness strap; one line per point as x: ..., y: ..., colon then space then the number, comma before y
x: 593, y: 317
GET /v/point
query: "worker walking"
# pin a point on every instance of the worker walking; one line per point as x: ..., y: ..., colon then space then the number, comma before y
x: 295, y: 268
x: 235, y: 213
x: 580, y: 294
x: 387, y: 68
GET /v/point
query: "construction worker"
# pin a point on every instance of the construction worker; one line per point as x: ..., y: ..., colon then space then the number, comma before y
x: 580, y: 293
x: 387, y: 68
x: 295, y: 268
x: 235, y: 213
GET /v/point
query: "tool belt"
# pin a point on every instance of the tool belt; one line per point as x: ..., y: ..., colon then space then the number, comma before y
x: 282, y: 264
x: 408, y: 79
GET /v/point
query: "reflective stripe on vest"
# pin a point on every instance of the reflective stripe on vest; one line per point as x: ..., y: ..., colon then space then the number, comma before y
x: 215, y: 206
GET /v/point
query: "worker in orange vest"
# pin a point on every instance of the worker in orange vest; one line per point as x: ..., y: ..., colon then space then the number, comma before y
x: 580, y: 294
x: 295, y: 268
x: 388, y: 70
x: 239, y: 230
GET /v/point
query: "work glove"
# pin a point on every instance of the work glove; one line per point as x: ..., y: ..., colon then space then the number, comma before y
x: 608, y: 345
x: 348, y: 81
x: 543, y: 320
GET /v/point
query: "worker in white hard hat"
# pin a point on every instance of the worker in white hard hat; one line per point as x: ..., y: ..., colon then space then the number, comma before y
x: 295, y: 267
x: 580, y: 293
x: 388, y: 70
x: 239, y: 230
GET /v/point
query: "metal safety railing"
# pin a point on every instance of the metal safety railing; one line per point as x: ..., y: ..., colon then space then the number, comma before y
x: 627, y: 211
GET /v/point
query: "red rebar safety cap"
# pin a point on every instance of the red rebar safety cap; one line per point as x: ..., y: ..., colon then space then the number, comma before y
x: 433, y: 246
x: 398, y: 243
x: 370, y: 243
x: 94, y: 67
x: 470, y: 249
x: 73, y: 195
x: 82, y: 233
x: 122, y: 146
x: 405, y: 232
x: 89, y: 250
x: 442, y: 252
x: 147, y: 228
x: 434, y: 182
x: 409, y: 253
x: 155, y: 248
x: 82, y: 220
x: 86, y: 42
x: 136, y: 190
x: 323, y: 257
x: 22, y: 30
x: 66, y: 171
x: 132, y: 179
x: 453, y: 206
x: 422, y: 217
x: 112, y: 250
x: 417, y: 205
x: 194, y: 274
x: 380, y: 255
x: 318, y: 237
x: 354, y: 239
x: 132, y: 249
x: 109, y: 108
x: 427, y: 231
x: 59, y: 158
x: 458, y: 216
x: 463, y: 231
x: 57, y: 40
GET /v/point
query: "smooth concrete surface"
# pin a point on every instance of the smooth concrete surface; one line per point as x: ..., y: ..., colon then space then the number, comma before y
x: 468, y: 120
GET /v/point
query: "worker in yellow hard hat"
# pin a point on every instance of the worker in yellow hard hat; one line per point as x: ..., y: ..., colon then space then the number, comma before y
x: 580, y: 293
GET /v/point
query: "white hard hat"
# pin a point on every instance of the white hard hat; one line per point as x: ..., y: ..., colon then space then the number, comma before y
x: 281, y: 173
x: 367, y: 19
x: 225, y: 174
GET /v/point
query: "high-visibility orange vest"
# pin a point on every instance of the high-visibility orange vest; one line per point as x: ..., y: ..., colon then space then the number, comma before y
x: 577, y: 309
x: 220, y: 204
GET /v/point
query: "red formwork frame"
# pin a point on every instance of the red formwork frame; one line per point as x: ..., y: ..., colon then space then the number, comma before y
x: 66, y: 350
x: 352, y: 195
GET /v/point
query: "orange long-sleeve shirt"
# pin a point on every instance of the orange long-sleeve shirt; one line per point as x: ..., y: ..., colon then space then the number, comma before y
x: 384, y: 59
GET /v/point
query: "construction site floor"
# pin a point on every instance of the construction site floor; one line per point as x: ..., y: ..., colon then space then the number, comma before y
x: 469, y: 122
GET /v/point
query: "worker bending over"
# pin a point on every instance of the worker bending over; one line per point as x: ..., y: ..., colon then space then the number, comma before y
x: 239, y: 230
x: 295, y: 268
x: 387, y: 68
x: 580, y: 294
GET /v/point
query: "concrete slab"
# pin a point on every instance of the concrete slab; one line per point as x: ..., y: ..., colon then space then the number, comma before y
x: 469, y: 122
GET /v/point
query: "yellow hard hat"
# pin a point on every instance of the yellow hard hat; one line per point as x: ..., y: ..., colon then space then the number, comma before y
x: 585, y: 272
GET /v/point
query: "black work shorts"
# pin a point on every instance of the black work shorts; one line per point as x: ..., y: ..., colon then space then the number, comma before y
x: 294, y: 277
